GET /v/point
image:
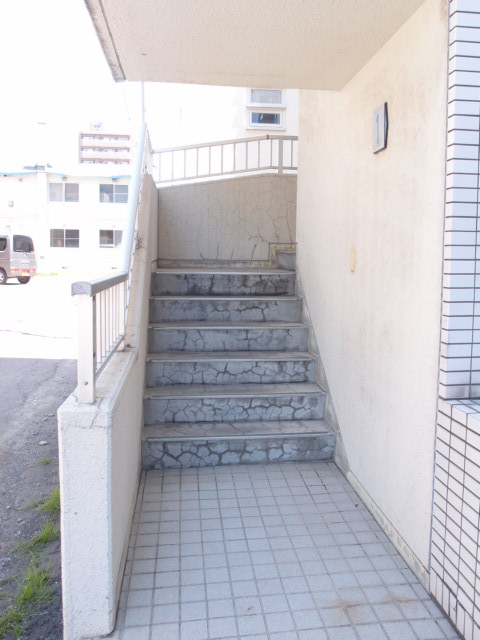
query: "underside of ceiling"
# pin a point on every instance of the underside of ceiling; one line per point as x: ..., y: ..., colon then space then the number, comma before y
x: 305, y: 44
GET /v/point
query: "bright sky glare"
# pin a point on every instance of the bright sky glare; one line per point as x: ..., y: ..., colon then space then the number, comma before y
x: 53, y: 71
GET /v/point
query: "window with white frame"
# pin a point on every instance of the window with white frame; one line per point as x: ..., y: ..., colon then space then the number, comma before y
x: 63, y: 192
x: 110, y: 238
x: 69, y: 238
x: 266, y: 109
x: 266, y: 96
x: 114, y: 193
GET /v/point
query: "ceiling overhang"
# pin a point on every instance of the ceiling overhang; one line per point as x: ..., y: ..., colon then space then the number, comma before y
x: 305, y: 44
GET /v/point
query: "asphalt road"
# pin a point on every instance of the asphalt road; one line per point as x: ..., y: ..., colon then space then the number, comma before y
x: 37, y: 373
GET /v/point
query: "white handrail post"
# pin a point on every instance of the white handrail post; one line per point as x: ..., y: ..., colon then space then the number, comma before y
x: 86, y: 364
x: 122, y: 312
x: 280, y: 156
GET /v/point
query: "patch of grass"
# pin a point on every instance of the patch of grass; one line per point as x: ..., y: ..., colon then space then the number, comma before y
x: 45, y: 461
x: 48, y: 532
x: 33, y: 592
x: 51, y: 504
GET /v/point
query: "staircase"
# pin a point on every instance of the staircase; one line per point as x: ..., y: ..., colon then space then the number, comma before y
x: 229, y: 377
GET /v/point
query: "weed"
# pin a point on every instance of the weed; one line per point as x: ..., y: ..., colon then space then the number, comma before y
x: 45, y: 461
x: 51, y: 504
x: 33, y: 592
x: 48, y: 532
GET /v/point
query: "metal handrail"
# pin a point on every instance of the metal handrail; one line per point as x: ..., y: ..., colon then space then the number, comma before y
x: 92, y: 287
x: 103, y: 302
x: 273, y: 153
x: 202, y: 145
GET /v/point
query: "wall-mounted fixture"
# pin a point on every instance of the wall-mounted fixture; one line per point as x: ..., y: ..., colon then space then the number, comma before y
x: 10, y: 203
x: 380, y: 128
x: 353, y: 260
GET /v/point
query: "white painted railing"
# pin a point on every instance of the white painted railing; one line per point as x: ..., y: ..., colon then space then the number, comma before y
x: 103, y: 303
x: 259, y: 154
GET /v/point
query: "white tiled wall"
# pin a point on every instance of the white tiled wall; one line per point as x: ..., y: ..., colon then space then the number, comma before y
x: 460, y: 353
x: 455, y: 551
x: 455, y: 554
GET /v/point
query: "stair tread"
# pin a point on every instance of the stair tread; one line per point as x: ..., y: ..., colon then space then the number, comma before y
x: 220, y: 430
x: 202, y: 324
x: 226, y: 271
x: 198, y: 298
x: 201, y: 356
x: 183, y: 391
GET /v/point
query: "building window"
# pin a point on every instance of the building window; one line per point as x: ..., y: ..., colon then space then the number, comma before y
x: 110, y: 238
x: 264, y: 119
x: 114, y: 193
x: 65, y: 238
x: 63, y: 192
x: 266, y: 109
x: 266, y: 96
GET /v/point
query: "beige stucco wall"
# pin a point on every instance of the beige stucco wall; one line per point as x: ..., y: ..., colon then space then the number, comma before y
x: 99, y: 454
x: 378, y: 328
x: 233, y: 219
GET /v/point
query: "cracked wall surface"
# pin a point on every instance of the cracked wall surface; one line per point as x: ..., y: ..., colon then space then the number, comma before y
x: 235, y: 219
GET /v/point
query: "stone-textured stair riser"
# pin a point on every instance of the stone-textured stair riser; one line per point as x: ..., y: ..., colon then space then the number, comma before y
x: 171, y: 454
x: 163, y: 309
x: 218, y: 284
x: 229, y: 371
x: 246, y: 338
x: 233, y: 409
x: 287, y: 260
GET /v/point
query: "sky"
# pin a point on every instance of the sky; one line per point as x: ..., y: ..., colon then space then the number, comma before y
x: 53, y: 72
x: 55, y: 81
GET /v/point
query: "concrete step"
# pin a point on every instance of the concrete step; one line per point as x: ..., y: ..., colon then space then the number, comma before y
x: 235, y: 282
x: 211, y: 336
x: 233, y: 403
x: 212, y: 443
x: 286, y: 260
x: 238, y: 367
x: 218, y: 308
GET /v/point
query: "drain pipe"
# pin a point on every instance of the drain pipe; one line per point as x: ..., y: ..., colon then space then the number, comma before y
x: 134, y: 197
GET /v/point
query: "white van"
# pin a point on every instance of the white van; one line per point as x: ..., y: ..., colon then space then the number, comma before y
x: 17, y: 258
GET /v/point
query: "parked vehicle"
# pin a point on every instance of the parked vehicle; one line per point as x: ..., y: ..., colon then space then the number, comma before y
x: 17, y: 258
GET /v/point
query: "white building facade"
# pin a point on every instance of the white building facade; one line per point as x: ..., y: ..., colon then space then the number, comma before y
x: 75, y: 219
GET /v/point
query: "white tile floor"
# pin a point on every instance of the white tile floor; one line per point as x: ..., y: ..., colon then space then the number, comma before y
x: 277, y: 552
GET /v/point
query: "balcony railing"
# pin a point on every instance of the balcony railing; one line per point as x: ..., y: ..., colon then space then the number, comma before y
x: 103, y: 303
x: 259, y: 154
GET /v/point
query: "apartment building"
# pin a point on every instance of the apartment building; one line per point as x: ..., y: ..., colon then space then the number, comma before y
x: 75, y: 218
x: 99, y: 146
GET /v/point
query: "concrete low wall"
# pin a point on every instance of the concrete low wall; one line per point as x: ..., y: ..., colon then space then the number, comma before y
x: 232, y: 219
x: 99, y: 450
